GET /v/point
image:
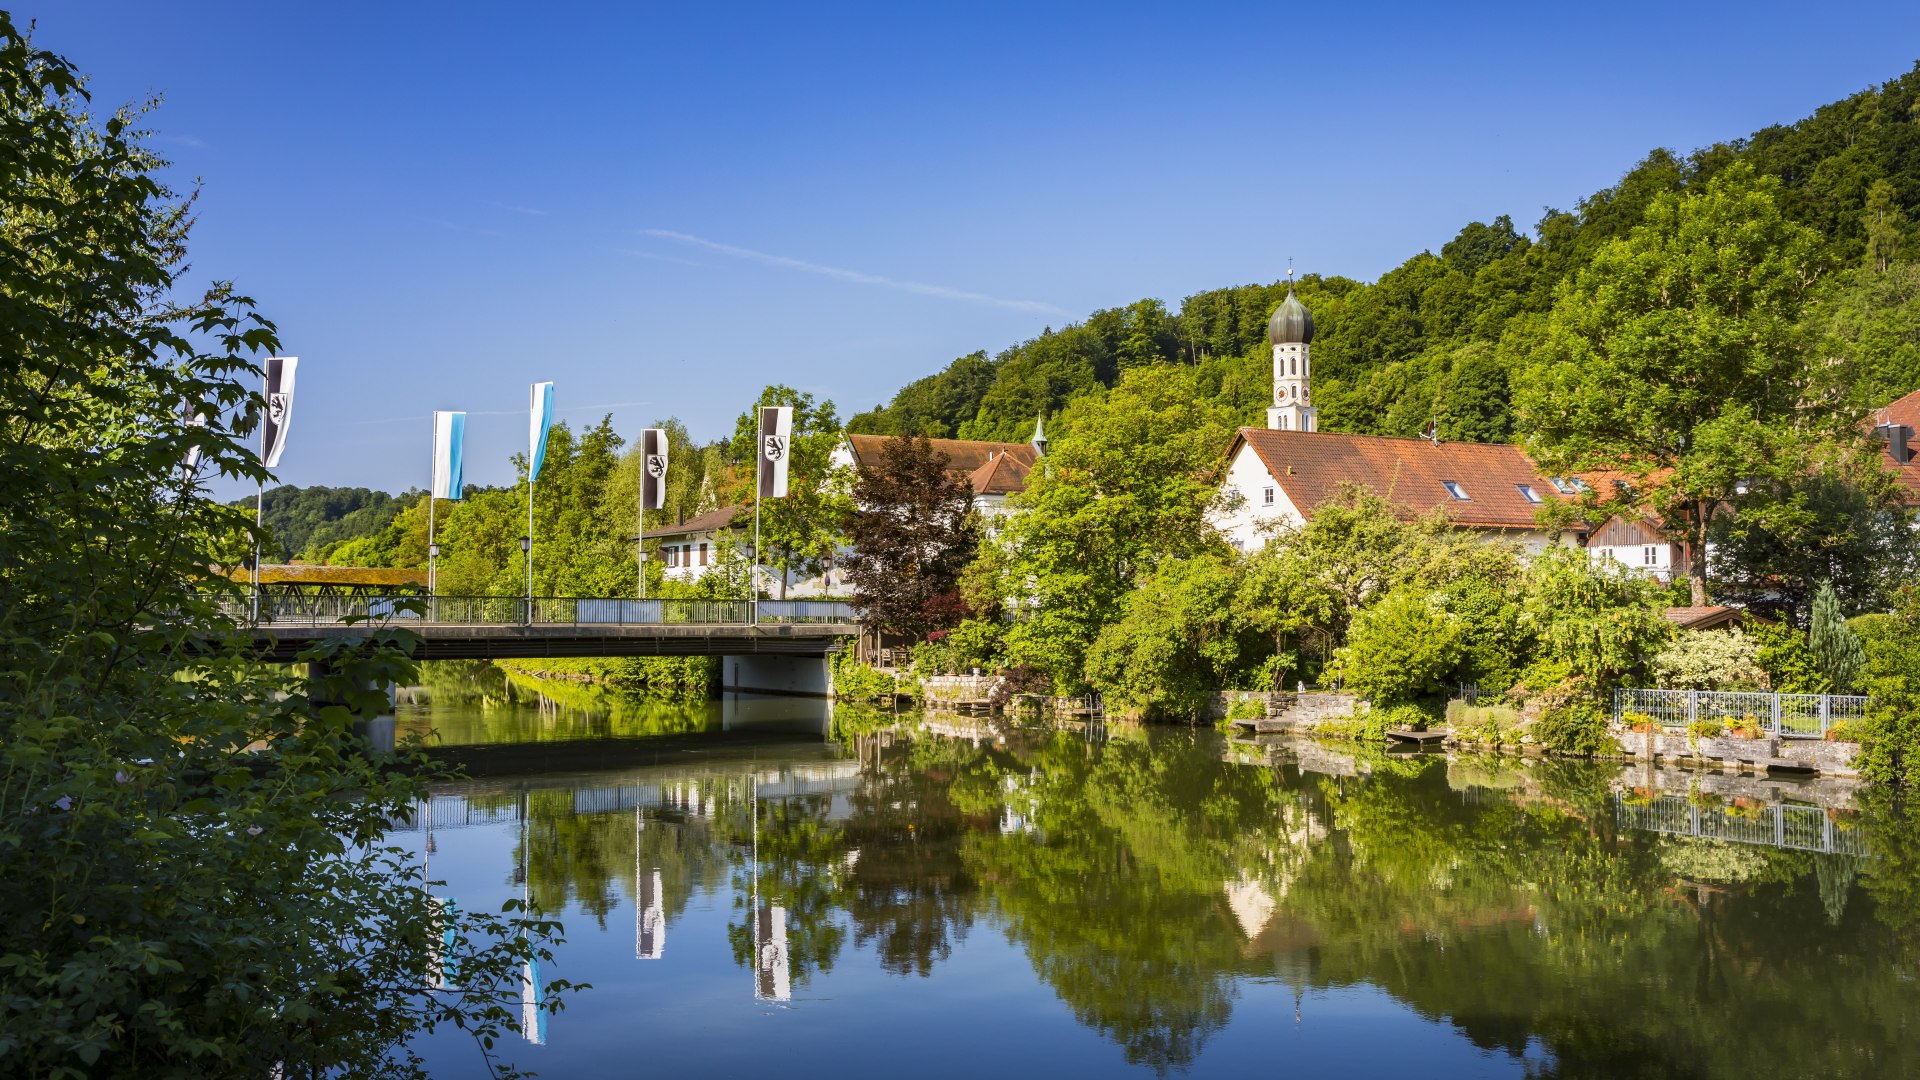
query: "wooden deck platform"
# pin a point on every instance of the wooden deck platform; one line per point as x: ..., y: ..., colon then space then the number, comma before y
x: 1418, y: 738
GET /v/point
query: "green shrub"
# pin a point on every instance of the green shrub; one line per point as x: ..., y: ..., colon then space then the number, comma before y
x: 1575, y: 725
x: 1486, y: 725
x: 1401, y: 647
x: 1706, y: 729
x: 1785, y: 657
x: 855, y: 681
x: 1404, y: 715
x: 1710, y: 660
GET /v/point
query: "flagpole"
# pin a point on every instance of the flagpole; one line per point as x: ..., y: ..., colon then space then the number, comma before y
x: 529, y: 542
x: 640, y: 523
x: 753, y: 578
x: 260, y: 496
x: 433, y: 481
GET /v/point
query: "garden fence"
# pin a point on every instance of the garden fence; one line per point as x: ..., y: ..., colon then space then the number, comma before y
x: 1804, y: 716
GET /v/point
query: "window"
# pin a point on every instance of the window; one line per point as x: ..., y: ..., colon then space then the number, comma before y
x: 1526, y: 490
x: 1650, y: 555
x: 667, y: 552
x: 1560, y: 485
x: 703, y: 553
x: 1455, y: 490
x: 1581, y: 486
x: 1269, y: 497
x: 1283, y: 423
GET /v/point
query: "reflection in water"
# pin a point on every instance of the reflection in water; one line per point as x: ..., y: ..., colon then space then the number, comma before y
x: 1189, y: 899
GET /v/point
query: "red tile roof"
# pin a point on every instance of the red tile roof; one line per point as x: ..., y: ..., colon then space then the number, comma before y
x: 1702, y: 618
x: 723, y: 518
x: 1311, y: 466
x: 965, y: 456
x: 1905, y: 411
x: 1004, y: 475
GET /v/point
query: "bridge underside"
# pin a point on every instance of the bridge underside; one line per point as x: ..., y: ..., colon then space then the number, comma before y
x: 513, y: 642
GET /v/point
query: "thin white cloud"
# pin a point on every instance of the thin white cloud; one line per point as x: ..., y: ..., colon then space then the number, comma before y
x: 657, y: 257
x: 425, y: 417
x: 527, y: 210
x: 858, y: 277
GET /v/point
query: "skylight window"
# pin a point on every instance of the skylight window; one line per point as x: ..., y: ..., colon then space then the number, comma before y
x: 1560, y: 485
x: 1455, y: 490
x: 1581, y: 486
x: 1532, y: 496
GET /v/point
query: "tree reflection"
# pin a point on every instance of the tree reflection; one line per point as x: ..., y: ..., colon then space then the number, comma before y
x: 1145, y: 877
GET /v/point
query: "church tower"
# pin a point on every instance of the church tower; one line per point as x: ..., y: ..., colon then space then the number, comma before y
x: 1291, y: 332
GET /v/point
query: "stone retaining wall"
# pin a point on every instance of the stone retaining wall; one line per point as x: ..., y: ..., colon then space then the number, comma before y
x: 1295, y: 708
x: 1827, y: 757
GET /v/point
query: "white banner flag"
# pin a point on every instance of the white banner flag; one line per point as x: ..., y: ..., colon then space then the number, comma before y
x: 449, y: 444
x: 279, y: 393
x: 653, y: 469
x: 776, y: 445
x: 539, y: 419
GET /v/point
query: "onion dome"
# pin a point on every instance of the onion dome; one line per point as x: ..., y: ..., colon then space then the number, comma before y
x: 1290, y: 324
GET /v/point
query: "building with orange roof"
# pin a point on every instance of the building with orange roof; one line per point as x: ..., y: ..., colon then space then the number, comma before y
x: 1277, y: 475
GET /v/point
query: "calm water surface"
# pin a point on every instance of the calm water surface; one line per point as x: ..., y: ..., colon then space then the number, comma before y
x: 755, y: 886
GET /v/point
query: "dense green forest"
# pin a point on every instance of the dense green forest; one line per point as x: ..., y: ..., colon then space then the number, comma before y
x: 304, y: 522
x: 1441, y: 336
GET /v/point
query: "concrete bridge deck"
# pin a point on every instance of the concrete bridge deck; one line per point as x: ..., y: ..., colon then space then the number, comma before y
x: 502, y: 628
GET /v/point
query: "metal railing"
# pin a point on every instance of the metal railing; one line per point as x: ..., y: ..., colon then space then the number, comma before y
x: 1803, y: 716
x: 540, y: 611
x: 1782, y: 825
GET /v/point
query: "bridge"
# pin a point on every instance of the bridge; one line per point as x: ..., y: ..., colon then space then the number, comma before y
x: 765, y: 644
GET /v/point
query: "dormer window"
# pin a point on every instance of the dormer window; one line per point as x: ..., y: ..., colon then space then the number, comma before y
x: 1527, y: 492
x: 1455, y: 490
x: 1560, y: 485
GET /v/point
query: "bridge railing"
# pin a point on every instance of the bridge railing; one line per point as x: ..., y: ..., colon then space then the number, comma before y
x: 540, y: 611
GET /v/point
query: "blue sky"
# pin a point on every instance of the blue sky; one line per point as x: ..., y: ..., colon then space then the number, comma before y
x: 662, y: 208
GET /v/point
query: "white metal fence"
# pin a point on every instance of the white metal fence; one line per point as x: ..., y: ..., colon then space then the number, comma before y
x: 1806, y: 716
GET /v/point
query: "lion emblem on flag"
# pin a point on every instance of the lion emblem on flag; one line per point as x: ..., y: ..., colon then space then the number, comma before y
x: 776, y: 447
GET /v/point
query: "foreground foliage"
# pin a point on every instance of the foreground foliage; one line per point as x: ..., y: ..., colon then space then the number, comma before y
x: 192, y: 877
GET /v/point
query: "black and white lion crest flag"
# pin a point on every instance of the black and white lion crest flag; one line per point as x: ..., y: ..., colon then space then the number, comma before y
x: 653, y: 479
x: 776, y: 440
x: 279, y: 393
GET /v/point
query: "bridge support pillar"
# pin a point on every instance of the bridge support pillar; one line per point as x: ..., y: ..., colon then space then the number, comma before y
x: 326, y: 686
x: 761, y: 673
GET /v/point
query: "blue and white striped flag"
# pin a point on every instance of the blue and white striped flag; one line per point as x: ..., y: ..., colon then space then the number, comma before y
x: 449, y: 443
x: 540, y: 409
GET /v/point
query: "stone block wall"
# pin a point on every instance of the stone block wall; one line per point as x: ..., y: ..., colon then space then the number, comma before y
x: 1298, y: 709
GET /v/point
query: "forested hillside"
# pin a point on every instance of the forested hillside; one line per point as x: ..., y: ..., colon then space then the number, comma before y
x: 1440, y: 335
x: 303, y: 522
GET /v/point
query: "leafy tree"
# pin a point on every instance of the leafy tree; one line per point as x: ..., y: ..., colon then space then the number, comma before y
x: 801, y: 532
x: 1835, y: 647
x: 1124, y: 487
x: 1840, y: 523
x: 1402, y: 647
x: 1181, y: 636
x: 192, y: 878
x: 912, y: 532
x: 1592, y: 622
x: 1309, y: 581
x: 1674, y: 358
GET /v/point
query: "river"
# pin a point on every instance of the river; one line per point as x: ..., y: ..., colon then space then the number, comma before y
x: 764, y: 886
